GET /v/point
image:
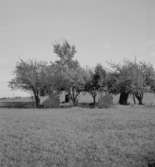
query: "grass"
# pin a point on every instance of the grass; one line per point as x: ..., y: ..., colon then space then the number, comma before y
x: 122, y: 136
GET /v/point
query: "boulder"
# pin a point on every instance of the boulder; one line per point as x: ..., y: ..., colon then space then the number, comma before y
x: 51, y: 101
x: 105, y: 101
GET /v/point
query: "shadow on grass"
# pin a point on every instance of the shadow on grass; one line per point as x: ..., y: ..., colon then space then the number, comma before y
x: 62, y: 105
x: 32, y: 105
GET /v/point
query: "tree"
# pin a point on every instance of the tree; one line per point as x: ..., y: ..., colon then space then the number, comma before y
x: 69, y: 73
x: 29, y: 77
x: 131, y: 79
x: 112, y: 82
x: 149, y: 74
x: 77, y: 79
x: 96, y: 82
x: 65, y: 53
x: 100, y: 75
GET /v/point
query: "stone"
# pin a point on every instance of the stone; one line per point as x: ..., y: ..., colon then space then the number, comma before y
x: 52, y: 101
x: 105, y: 101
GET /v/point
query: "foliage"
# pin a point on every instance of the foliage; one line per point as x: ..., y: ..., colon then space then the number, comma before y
x: 112, y: 83
x: 96, y: 82
x: 29, y: 76
x: 149, y: 76
x: 65, y: 53
x: 67, y: 74
x: 100, y: 75
x: 70, y: 75
x: 152, y: 85
x: 127, y: 78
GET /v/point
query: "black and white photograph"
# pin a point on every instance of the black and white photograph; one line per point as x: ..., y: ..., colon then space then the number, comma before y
x: 77, y: 83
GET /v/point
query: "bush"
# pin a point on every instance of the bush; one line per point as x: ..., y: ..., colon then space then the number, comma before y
x: 105, y: 101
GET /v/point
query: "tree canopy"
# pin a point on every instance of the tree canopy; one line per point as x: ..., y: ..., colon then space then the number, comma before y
x: 29, y: 76
x: 66, y: 73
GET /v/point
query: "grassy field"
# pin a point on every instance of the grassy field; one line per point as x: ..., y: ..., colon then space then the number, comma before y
x: 122, y: 136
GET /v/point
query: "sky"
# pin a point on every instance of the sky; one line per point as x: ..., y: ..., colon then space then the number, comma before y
x: 102, y: 31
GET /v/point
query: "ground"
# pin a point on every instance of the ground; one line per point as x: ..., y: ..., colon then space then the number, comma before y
x: 121, y: 136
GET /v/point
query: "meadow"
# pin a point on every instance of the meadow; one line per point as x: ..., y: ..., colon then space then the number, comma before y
x: 121, y: 136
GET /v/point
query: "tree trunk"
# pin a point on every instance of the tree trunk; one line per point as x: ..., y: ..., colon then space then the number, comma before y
x: 134, y: 99
x: 93, y: 94
x: 139, y: 96
x: 37, y: 101
x: 67, y: 98
x: 140, y: 100
x: 36, y: 97
x: 74, y: 95
x: 94, y: 100
x: 75, y: 101
x: 123, y: 98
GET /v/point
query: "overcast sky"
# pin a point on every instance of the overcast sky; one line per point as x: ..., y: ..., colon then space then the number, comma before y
x: 101, y: 30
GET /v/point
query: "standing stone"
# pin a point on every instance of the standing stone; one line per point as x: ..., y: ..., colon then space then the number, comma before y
x: 105, y: 101
x: 52, y: 101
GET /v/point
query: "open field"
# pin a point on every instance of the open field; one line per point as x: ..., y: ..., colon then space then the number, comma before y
x: 122, y: 136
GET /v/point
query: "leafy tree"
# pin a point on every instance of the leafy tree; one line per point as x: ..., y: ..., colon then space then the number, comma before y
x: 100, y: 75
x: 77, y: 80
x: 29, y: 77
x: 70, y: 75
x: 117, y: 84
x: 131, y: 78
x: 149, y: 73
x: 112, y: 82
x: 96, y: 82
x: 65, y: 53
